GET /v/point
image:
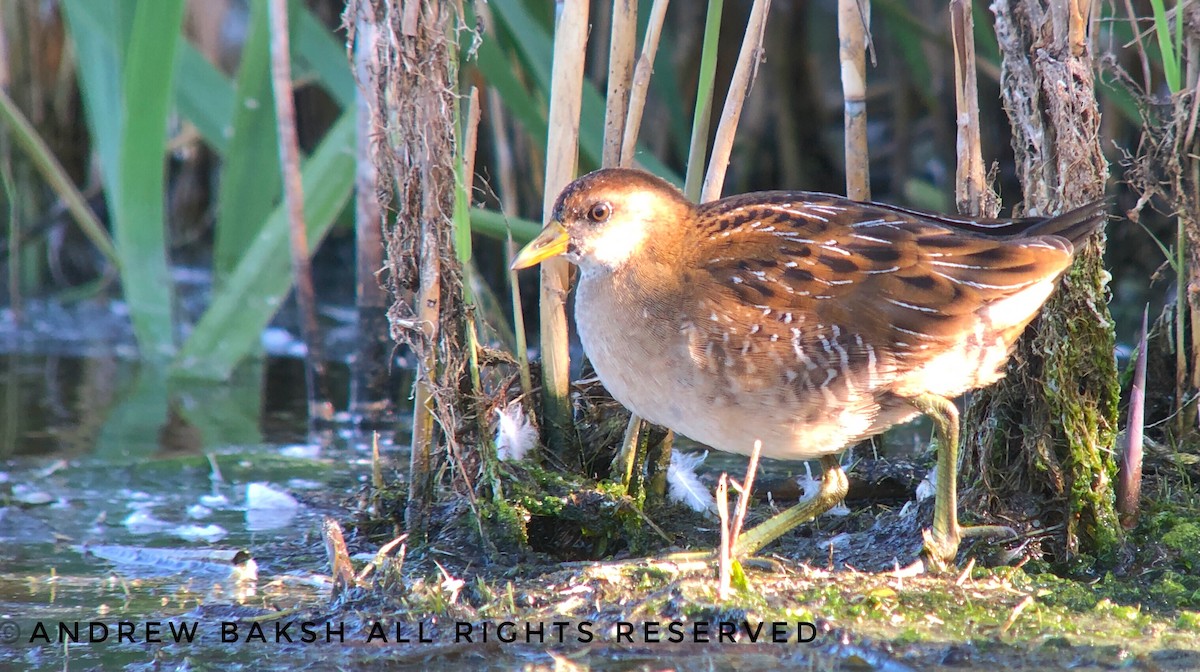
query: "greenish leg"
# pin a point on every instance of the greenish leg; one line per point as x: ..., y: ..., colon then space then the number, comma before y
x: 941, y: 543
x: 833, y: 489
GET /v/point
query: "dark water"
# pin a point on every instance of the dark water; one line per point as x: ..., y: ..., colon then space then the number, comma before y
x: 126, y: 496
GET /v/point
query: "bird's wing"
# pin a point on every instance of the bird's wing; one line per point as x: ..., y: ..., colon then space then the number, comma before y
x: 826, y: 291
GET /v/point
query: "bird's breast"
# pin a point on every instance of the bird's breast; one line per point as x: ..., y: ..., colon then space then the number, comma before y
x: 633, y: 345
x: 638, y: 345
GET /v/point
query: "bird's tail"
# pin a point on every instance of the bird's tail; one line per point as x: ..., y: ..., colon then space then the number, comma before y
x: 1075, y: 225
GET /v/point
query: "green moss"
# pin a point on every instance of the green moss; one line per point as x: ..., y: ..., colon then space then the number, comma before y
x: 1188, y: 620
x: 1057, y: 410
x: 1183, y: 537
x: 650, y: 578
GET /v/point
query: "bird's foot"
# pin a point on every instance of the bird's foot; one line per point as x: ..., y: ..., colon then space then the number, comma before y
x: 941, y: 548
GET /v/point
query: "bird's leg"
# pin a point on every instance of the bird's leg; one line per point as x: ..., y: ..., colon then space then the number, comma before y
x: 833, y: 489
x: 941, y: 543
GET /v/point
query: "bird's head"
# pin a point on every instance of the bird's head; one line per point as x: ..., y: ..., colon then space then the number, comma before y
x: 606, y: 218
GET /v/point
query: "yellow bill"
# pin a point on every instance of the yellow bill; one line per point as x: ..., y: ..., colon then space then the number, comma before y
x: 551, y: 242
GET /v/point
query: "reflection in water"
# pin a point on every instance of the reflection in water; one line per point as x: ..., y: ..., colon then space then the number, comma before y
x: 71, y: 406
x: 119, y: 486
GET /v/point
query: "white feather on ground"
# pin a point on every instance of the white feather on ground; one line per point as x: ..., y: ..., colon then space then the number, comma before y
x: 515, y: 435
x: 925, y: 489
x: 928, y: 486
x: 685, y: 486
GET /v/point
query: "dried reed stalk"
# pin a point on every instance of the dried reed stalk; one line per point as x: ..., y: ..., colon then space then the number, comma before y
x: 744, y: 73
x: 370, y: 373
x: 319, y: 405
x: 636, y: 100
x: 620, y: 76
x: 411, y: 85
x: 972, y: 194
x: 641, y: 81
x: 570, y: 38
x: 1129, y: 478
x: 507, y: 179
x: 854, y: 20
x: 468, y: 146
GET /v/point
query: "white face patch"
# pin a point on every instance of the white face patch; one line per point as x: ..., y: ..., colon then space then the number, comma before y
x: 611, y: 244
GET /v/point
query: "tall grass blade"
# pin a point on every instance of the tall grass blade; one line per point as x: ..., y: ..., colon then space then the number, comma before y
x: 314, y: 49
x: 250, y: 182
x: 698, y: 148
x: 99, y: 31
x: 204, y: 97
x: 230, y: 329
x: 139, y: 219
x: 744, y: 73
x: 1167, y: 45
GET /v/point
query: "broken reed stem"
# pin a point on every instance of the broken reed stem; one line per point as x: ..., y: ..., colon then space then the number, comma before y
x: 566, y: 89
x: 506, y: 176
x: 338, y: 555
x: 744, y: 73
x: 626, y: 458
x: 319, y: 406
x: 725, y: 549
x: 377, y: 480
x: 702, y: 116
x: 854, y: 18
x: 972, y: 194
x: 620, y: 76
x: 1129, y: 479
x: 641, y: 81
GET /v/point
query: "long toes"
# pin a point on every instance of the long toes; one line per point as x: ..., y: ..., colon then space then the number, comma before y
x: 939, y: 550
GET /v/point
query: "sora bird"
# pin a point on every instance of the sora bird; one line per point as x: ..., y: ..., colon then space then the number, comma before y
x: 806, y: 321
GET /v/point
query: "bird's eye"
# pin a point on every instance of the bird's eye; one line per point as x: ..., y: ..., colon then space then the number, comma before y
x: 599, y: 212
